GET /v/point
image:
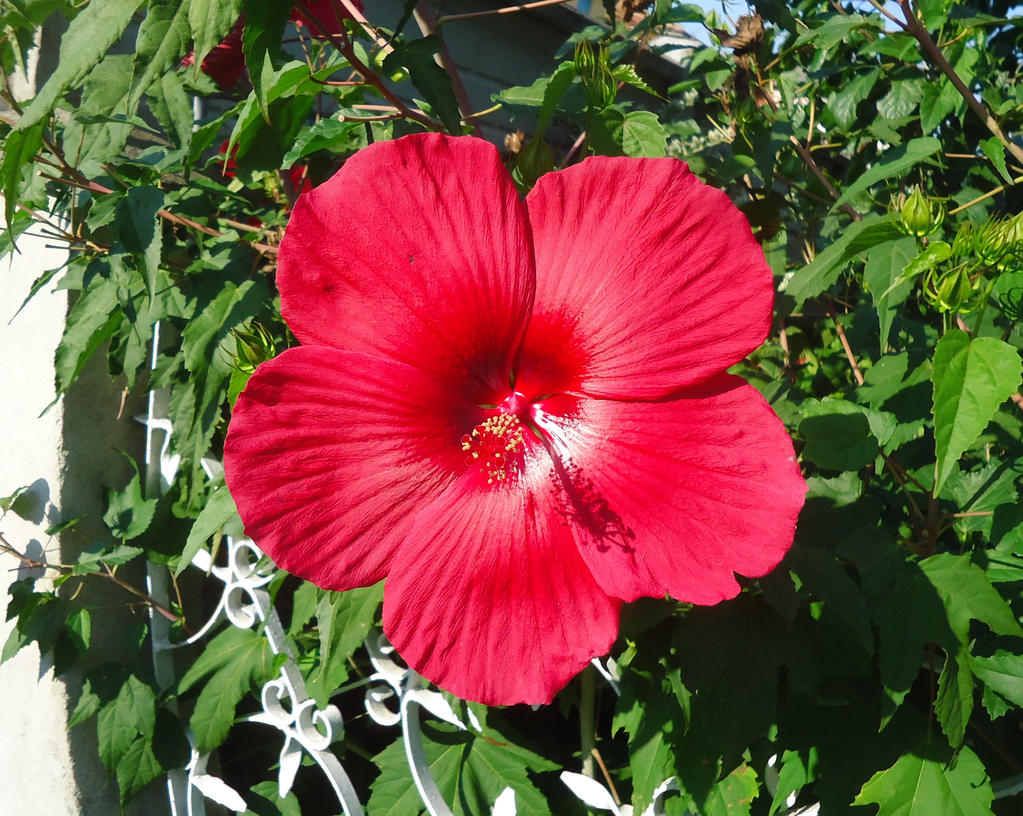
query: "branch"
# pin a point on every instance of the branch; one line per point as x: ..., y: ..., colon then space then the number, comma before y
x: 64, y: 569
x: 427, y: 23
x: 913, y: 26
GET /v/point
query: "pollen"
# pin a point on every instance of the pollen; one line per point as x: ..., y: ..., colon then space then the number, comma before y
x: 495, y: 446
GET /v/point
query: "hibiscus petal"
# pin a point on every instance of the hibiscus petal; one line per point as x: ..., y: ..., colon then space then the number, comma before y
x: 650, y: 276
x: 417, y: 249
x: 674, y: 496
x: 490, y: 598
x: 330, y: 454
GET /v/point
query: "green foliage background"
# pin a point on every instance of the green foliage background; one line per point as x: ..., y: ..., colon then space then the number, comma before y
x: 876, y: 153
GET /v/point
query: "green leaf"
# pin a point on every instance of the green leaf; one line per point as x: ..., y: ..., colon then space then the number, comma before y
x: 210, y: 22
x: 261, y: 44
x: 995, y: 151
x: 86, y: 707
x: 90, y: 560
x: 967, y: 595
x: 131, y: 714
x: 841, y: 435
x: 937, y: 101
x: 137, y: 768
x: 432, y: 81
x: 834, y: 31
x: 928, y: 782
x: 89, y: 35
x: 20, y: 147
x: 954, y: 703
x: 128, y: 514
x: 79, y: 623
x: 629, y: 75
x: 218, y: 511
x: 733, y: 795
x: 139, y: 229
x: 471, y: 771
x: 162, y: 41
x: 842, y: 103
x: 909, y: 616
x: 1002, y: 672
x: 93, y: 318
x: 615, y: 132
x: 821, y: 573
x: 329, y: 134
x: 643, y: 135
x: 882, y: 273
x: 236, y: 660
x: 343, y: 620
x: 852, y: 243
x: 971, y: 379
x: 897, y: 160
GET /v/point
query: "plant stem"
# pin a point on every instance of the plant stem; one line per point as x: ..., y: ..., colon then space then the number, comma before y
x: 913, y: 26
x: 587, y: 718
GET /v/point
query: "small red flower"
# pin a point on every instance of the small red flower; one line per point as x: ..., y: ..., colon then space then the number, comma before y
x: 516, y: 412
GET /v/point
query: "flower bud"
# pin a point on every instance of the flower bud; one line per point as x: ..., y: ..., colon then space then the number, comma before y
x: 532, y: 161
x: 991, y: 241
x: 951, y: 291
x: 919, y: 215
x: 594, y: 71
x: 253, y: 345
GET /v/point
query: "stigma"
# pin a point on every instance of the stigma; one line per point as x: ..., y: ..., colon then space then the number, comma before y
x: 495, y: 446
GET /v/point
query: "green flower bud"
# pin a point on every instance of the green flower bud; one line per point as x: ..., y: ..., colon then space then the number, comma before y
x: 594, y: 70
x: 951, y: 291
x: 919, y: 215
x: 991, y: 241
x: 532, y: 161
x: 253, y: 345
x: 962, y: 245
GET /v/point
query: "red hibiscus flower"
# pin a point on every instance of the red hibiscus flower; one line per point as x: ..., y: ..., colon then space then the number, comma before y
x: 516, y: 412
x: 329, y: 14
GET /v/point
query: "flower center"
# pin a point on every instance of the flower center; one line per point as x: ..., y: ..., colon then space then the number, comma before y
x: 495, y: 446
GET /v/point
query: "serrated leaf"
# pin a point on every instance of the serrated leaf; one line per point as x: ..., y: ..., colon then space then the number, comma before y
x: 128, y: 514
x: 972, y: 378
x: 471, y: 772
x: 432, y: 81
x: 343, y: 620
x: 967, y: 595
x: 97, y: 27
x: 136, y: 769
x: 928, y: 782
x: 834, y: 30
x: 1002, y: 672
x: 138, y: 227
x: 131, y: 714
x: 20, y: 147
x: 852, y: 243
x: 236, y: 660
x: 218, y: 511
x: 995, y: 151
x: 842, y: 103
x: 629, y: 75
x: 841, y: 435
x: 909, y: 616
x: 87, y: 706
x: 210, y: 22
x: 261, y: 44
x: 821, y: 573
x: 330, y: 134
x: 79, y: 623
x: 162, y: 41
x: 882, y: 272
x: 954, y: 703
x: 733, y: 795
x: 92, y: 320
x: 895, y: 161
x: 559, y: 82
